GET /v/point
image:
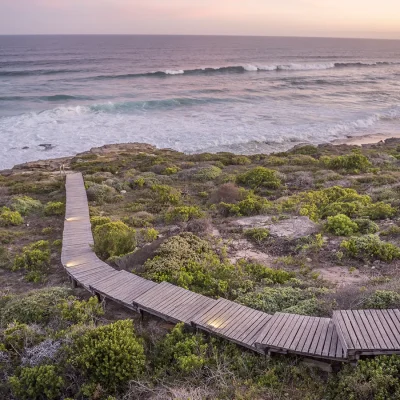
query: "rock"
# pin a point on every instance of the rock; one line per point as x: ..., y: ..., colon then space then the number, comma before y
x: 294, y: 228
x: 123, y: 192
x: 25, y: 147
x: 46, y: 146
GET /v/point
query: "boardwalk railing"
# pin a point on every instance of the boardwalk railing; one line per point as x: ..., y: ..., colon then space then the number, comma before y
x: 345, y: 337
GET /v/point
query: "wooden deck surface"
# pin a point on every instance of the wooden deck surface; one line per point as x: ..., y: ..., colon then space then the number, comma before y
x: 346, y: 336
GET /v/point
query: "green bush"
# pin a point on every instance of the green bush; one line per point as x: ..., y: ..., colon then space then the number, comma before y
x: 16, y: 337
x: 308, y: 149
x: 171, y: 170
x: 190, y: 262
x: 275, y: 299
x: 35, y: 260
x: 109, y: 355
x: 372, y: 379
x: 259, y: 272
x: 257, y: 234
x: 183, y: 214
x: 341, y: 225
x: 54, y: 208
x: 114, y: 239
x: 250, y: 205
x: 166, y: 194
x: 260, y: 177
x: 366, y: 226
x: 370, y: 247
x: 354, y: 162
x: 25, y: 204
x: 206, y: 173
x: 100, y: 193
x: 149, y: 235
x: 379, y: 210
x: 180, y: 352
x: 76, y: 311
x: 37, y: 383
x: 37, y: 306
x: 382, y: 299
x: 97, y: 221
x: 10, y: 218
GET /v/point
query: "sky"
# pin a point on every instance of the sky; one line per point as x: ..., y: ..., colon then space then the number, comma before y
x: 331, y: 18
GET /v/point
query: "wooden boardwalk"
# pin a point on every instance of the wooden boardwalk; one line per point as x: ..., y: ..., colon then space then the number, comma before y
x: 345, y: 337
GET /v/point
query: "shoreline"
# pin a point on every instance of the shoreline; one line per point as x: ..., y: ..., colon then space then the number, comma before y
x: 373, y: 138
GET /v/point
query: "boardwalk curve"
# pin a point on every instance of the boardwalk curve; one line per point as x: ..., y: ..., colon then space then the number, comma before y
x: 349, y: 335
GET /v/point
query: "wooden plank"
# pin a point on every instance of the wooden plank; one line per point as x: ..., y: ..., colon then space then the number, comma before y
x: 387, y: 326
x: 319, y: 335
x: 382, y: 326
x: 310, y: 334
x: 290, y: 323
x: 365, y: 327
x: 363, y: 340
x: 287, y: 341
x: 375, y: 326
x: 248, y: 325
x: 305, y: 332
x: 393, y: 331
x: 342, y: 331
x: 253, y: 334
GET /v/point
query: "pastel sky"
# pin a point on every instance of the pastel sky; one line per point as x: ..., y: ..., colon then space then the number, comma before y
x: 337, y: 18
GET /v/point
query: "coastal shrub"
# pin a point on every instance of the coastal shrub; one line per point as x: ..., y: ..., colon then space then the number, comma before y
x: 54, y: 208
x: 140, y: 219
x: 16, y: 337
x: 353, y: 162
x: 366, y: 226
x: 37, y: 383
x: 190, y: 262
x: 35, y: 260
x: 257, y: 234
x: 114, y: 239
x: 149, y: 235
x: 382, y: 299
x: 260, y: 177
x: 275, y: 299
x: 109, y: 355
x: 276, y: 161
x: 308, y: 150
x: 372, y: 378
x: 171, y: 170
x: 10, y: 218
x: 36, y: 306
x: 391, y: 231
x: 341, y: 225
x: 180, y: 352
x: 5, y: 259
x: 183, y: 214
x: 25, y: 204
x: 378, y: 210
x: 302, y: 160
x: 97, y: 221
x: 76, y: 311
x: 259, y: 272
x: 227, y: 192
x: 167, y: 194
x: 318, y: 204
x: 100, y: 193
x: 370, y: 247
x: 207, y: 173
x: 240, y: 160
x: 250, y: 205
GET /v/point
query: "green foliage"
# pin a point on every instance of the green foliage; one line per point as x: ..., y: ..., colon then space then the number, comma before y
x: 372, y: 379
x: 110, y: 355
x: 37, y: 306
x: 5, y: 258
x: 37, y: 383
x: 35, y: 260
x: 370, y: 247
x: 260, y: 177
x: 366, y: 226
x: 114, y: 239
x: 354, y: 162
x: 302, y: 160
x: 80, y: 312
x: 275, y: 299
x: 382, y: 299
x: 240, y: 160
x: 257, y: 234
x: 171, y: 170
x: 16, y: 337
x: 190, y: 262
x: 205, y: 174
x: 379, y: 210
x: 317, y: 204
x: 167, y: 194
x: 183, y: 214
x: 97, y: 221
x: 308, y: 149
x: 259, y: 273
x: 341, y: 225
x: 250, y: 205
x: 10, y: 218
x: 149, y: 235
x: 54, y: 208
x: 100, y: 193
x: 25, y: 204
x: 180, y: 352
x: 140, y: 219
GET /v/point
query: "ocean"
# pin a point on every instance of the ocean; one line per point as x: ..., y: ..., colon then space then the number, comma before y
x: 192, y: 93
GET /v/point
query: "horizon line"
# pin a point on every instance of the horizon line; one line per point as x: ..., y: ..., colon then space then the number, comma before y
x: 197, y: 35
